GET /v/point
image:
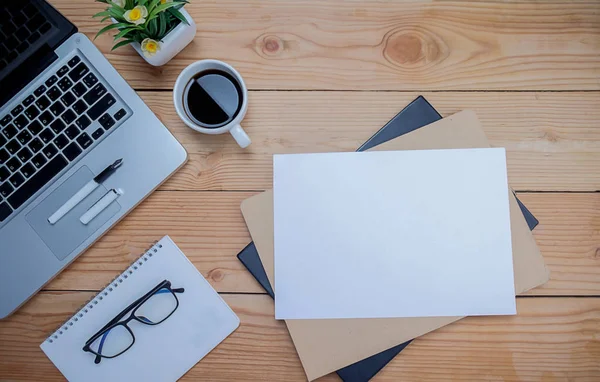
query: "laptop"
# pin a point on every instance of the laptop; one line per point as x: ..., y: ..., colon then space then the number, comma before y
x: 65, y: 115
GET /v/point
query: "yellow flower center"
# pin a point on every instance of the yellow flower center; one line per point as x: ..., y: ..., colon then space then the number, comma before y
x: 135, y: 14
x: 151, y: 47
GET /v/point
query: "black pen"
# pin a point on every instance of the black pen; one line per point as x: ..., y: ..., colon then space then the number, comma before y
x: 84, y: 192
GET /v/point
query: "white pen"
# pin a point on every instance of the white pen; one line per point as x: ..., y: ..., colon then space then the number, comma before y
x: 100, y: 205
x: 84, y: 192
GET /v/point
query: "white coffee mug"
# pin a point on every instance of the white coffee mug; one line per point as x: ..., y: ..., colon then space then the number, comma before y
x: 233, y: 126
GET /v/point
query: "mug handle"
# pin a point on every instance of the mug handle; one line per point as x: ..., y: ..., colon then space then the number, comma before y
x: 240, y: 136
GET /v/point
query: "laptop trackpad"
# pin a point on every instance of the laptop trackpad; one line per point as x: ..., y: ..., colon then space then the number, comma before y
x: 68, y: 233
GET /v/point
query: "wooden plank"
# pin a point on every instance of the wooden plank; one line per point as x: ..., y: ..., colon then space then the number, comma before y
x: 552, y: 139
x: 210, y: 230
x: 550, y: 339
x: 417, y: 45
x: 569, y: 237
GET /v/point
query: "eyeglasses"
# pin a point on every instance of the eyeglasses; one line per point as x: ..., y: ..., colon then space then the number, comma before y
x: 153, y: 308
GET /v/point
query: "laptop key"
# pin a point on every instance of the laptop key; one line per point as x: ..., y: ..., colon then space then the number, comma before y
x: 13, y: 146
x: 68, y: 98
x: 50, y: 151
x: 21, y: 121
x: 36, y: 182
x: 27, y: 170
x: 13, y: 164
x: 32, y: 112
x: 62, y: 71
x: 80, y: 107
x: 46, y: 118
x: 61, y: 141
x: 120, y: 114
x: 35, y: 145
x: 83, y: 122
x: 17, y: 110
x: 4, y: 121
x: 46, y: 135
x: 2, y: 141
x: 5, y: 211
x: 24, y: 137
x: 58, y: 126
x: 72, y: 151
x: 29, y: 100
x: 35, y: 127
x: 10, y: 131
x: 16, y: 180
x: 68, y: 116
x: 94, y: 94
x: 53, y: 93
x: 72, y: 132
x: 51, y: 81
x: 101, y: 106
x: 84, y: 140
x: 4, y: 174
x: 43, y: 102
x: 98, y: 133
x: 6, y: 189
x: 106, y: 121
x: 65, y: 84
x: 24, y: 154
x: 78, y: 72
x: 74, y: 61
x: 39, y: 160
x: 57, y: 108
x: 79, y: 89
x: 39, y: 91
x: 90, y: 80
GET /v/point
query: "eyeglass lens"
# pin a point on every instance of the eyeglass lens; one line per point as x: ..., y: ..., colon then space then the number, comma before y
x: 153, y: 311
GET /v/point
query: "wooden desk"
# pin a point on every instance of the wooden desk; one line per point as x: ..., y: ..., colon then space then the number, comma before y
x: 325, y: 75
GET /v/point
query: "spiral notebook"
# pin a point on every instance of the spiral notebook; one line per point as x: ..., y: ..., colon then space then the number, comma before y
x: 162, y: 352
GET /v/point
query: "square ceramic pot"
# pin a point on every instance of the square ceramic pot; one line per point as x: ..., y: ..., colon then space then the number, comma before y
x: 172, y: 43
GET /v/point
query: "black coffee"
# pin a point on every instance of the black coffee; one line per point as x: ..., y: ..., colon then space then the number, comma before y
x: 212, y: 98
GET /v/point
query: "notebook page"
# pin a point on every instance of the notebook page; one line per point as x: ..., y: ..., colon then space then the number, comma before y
x: 163, y: 352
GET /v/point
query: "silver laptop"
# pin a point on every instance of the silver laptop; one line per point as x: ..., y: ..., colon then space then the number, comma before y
x: 65, y: 115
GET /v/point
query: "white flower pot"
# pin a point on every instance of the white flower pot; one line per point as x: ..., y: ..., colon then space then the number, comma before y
x: 172, y: 43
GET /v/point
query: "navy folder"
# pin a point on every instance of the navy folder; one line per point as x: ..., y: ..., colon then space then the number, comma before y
x: 417, y: 114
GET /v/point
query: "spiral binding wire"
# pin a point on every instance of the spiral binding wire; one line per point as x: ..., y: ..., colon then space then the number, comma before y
x: 89, y: 305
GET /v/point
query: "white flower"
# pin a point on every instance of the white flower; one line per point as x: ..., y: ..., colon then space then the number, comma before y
x: 150, y: 47
x: 120, y: 3
x: 137, y: 15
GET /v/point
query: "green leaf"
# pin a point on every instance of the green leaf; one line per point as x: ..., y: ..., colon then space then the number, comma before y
x: 152, y: 27
x: 160, y: 8
x: 124, y: 32
x: 128, y: 4
x: 162, y: 25
x: 142, y: 2
x: 178, y: 15
x: 111, y: 26
x: 100, y: 14
x: 104, y: 19
x: 117, y: 13
x: 121, y: 43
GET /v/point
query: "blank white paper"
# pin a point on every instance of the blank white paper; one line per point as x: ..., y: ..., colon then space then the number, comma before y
x: 392, y: 234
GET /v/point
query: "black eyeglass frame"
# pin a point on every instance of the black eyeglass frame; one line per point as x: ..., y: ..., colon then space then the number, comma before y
x: 133, y: 307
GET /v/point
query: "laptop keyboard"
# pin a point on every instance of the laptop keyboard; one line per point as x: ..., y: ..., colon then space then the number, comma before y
x: 22, y: 26
x: 51, y: 127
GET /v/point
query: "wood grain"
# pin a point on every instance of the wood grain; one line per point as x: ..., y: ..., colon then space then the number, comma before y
x: 210, y: 230
x: 417, y: 45
x: 550, y: 339
x: 552, y: 139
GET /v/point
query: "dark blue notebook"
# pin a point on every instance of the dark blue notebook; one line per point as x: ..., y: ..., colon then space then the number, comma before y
x: 417, y: 114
